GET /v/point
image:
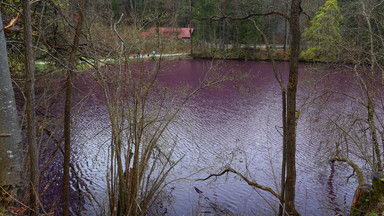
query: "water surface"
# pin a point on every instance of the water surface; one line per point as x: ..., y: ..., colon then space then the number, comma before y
x: 237, y: 125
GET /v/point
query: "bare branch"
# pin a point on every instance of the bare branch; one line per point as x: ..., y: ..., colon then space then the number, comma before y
x: 249, y: 182
x: 357, y: 100
x: 354, y: 141
x: 219, y: 18
x: 12, y: 22
x: 114, y: 28
x: 270, y: 55
x: 16, y: 200
x: 356, y: 168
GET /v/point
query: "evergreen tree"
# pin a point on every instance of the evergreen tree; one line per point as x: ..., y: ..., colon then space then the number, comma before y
x: 324, y: 36
x: 116, y: 9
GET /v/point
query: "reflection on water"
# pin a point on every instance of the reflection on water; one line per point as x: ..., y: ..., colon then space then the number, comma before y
x: 331, y: 191
x: 234, y: 125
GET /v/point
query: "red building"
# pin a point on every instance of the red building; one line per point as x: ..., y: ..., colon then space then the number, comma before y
x: 169, y: 33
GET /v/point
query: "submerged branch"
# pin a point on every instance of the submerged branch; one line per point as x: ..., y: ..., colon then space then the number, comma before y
x: 249, y: 182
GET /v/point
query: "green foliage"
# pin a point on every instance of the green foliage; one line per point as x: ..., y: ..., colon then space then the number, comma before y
x: 323, y: 37
x: 16, y: 64
x: 216, y: 31
x: 247, y: 31
x: 63, y: 4
x: 116, y: 9
x: 9, y: 9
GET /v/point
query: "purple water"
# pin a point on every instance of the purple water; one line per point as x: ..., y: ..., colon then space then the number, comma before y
x: 237, y: 124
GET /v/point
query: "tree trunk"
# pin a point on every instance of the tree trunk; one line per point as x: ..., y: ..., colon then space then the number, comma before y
x: 291, y: 106
x: 190, y: 24
x: 223, y: 41
x: 376, y: 203
x: 284, y: 161
x: 158, y: 34
x: 203, y: 41
x: 67, y: 112
x: 33, y: 149
x: 286, y: 34
x: 11, y: 160
x: 372, y: 128
x: 371, y: 94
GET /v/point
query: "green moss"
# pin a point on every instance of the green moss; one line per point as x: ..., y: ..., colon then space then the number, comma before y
x: 378, y: 189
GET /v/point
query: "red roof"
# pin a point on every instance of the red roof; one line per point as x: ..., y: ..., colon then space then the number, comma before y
x: 171, y: 33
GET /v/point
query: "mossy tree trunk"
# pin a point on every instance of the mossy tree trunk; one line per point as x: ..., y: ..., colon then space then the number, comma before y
x: 361, y: 200
x: 376, y: 202
x: 369, y: 199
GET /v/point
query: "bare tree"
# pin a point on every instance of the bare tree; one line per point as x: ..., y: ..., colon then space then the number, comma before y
x: 140, y: 111
x: 67, y: 114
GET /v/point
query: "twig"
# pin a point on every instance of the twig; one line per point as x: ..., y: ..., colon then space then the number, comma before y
x: 16, y: 200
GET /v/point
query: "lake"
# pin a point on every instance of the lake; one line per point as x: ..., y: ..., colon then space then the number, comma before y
x: 236, y: 124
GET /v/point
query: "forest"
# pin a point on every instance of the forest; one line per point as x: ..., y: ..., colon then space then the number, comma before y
x: 61, y: 60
